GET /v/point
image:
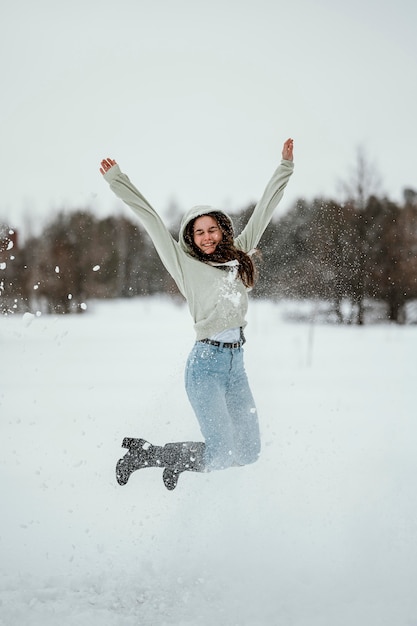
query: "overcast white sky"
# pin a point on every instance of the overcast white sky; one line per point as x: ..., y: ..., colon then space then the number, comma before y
x: 194, y: 99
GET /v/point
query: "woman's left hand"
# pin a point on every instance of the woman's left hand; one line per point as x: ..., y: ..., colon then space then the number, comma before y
x: 287, y: 150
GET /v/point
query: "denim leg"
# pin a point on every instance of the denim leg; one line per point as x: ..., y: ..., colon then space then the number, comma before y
x: 205, y: 382
x: 243, y: 413
x: 218, y: 390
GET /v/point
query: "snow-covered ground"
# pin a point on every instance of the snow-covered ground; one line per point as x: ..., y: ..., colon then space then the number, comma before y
x: 322, y: 531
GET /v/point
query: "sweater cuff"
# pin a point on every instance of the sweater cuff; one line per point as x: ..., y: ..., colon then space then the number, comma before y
x: 112, y: 173
x: 289, y: 164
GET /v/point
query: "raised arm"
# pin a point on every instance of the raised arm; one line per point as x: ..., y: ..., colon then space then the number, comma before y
x: 167, y: 248
x: 262, y: 213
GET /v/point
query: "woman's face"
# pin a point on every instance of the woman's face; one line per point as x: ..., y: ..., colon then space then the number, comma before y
x: 207, y: 234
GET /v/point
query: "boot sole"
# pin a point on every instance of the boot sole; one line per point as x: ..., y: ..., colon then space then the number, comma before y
x: 170, y: 478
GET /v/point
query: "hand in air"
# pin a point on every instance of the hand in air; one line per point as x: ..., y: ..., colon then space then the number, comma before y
x: 106, y: 164
x: 287, y: 150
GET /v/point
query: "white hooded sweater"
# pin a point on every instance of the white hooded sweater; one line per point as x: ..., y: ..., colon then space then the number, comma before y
x: 217, y: 299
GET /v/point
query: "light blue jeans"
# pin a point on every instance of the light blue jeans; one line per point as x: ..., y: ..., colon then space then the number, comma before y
x: 218, y: 389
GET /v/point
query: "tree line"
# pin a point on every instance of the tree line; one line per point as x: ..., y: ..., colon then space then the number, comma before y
x: 355, y: 256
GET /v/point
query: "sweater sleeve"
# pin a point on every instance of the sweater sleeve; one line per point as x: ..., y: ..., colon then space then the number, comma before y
x: 167, y: 248
x: 262, y: 213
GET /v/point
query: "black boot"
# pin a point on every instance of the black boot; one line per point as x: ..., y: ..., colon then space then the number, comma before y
x: 174, y: 457
x: 182, y: 457
x: 140, y: 454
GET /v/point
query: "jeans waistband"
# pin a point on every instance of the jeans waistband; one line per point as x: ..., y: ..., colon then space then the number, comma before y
x: 225, y: 344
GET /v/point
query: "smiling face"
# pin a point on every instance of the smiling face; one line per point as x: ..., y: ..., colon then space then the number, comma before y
x: 207, y: 234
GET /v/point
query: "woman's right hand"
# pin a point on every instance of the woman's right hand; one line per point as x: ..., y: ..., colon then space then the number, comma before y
x: 106, y: 164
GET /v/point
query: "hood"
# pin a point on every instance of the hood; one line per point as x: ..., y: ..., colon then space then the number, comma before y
x: 196, y: 211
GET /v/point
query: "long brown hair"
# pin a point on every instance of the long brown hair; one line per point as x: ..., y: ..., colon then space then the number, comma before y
x: 225, y: 250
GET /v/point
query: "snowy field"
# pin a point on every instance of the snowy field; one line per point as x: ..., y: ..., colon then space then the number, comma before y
x: 322, y: 531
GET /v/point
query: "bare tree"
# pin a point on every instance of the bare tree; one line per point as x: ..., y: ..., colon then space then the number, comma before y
x: 363, y: 182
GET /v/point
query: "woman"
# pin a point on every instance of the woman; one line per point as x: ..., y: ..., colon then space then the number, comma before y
x: 214, y: 272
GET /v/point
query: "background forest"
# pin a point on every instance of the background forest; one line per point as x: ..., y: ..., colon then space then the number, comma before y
x: 356, y: 259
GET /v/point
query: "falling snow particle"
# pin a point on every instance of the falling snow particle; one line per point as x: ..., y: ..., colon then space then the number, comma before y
x: 28, y: 318
x: 96, y: 268
x: 57, y: 269
x: 83, y: 306
x: 3, y: 266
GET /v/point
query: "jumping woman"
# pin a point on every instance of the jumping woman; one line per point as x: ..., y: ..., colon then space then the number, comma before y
x: 214, y: 271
